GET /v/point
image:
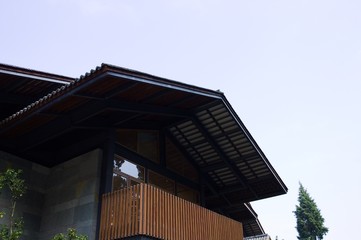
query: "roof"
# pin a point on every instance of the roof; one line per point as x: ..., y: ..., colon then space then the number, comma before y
x: 258, y: 237
x: 199, y: 121
x: 20, y: 87
x: 251, y: 224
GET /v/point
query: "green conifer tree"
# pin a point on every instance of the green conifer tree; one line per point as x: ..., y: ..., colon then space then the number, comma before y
x: 310, y: 223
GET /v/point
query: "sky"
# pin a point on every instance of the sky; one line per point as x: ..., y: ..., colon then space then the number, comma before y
x: 290, y: 68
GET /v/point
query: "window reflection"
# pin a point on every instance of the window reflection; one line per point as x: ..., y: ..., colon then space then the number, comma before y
x: 126, y: 173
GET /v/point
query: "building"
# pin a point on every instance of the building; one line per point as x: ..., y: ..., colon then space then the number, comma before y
x: 123, y: 154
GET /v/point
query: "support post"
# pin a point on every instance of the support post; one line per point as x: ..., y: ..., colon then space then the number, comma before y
x: 106, y: 175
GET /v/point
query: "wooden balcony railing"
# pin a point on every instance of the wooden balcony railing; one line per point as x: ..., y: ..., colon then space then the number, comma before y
x: 147, y: 210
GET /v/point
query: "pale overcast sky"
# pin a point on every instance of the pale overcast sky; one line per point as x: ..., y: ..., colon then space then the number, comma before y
x: 290, y: 68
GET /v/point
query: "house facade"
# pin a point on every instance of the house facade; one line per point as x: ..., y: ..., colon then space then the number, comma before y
x: 120, y: 154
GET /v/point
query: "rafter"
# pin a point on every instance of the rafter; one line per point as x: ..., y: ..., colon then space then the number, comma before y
x: 208, y: 181
x: 228, y: 162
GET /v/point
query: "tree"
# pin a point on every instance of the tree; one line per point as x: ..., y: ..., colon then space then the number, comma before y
x: 310, y: 223
x: 12, y: 181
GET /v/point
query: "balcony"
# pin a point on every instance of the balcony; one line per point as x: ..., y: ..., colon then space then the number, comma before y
x: 148, y: 211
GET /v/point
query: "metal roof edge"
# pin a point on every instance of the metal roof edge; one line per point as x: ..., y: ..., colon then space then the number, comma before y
x: 149, y: 78
x: 254, y: 143
x: 250, y: 209
x: 34, y: 74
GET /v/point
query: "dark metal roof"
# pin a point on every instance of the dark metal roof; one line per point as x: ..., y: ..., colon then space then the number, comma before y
x: 200, y: 122
x: 20, y: 87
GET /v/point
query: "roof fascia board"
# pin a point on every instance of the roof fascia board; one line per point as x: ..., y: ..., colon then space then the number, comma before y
x: 253, y: 142
x: 17, y: 74
x: 163, y: 84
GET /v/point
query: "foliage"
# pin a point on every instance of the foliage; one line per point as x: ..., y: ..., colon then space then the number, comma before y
x: 71, y: 235
x: 11, y: 180
x: 310, y: 223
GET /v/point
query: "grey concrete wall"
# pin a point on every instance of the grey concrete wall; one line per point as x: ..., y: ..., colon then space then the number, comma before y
x: 31, y: 205
x: 58, y: 198
x: 71, y: 198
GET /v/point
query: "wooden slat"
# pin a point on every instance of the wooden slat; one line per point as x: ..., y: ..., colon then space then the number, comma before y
x: 147, y: 210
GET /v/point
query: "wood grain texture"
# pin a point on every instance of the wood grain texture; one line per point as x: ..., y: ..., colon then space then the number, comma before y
x: 146, y: 210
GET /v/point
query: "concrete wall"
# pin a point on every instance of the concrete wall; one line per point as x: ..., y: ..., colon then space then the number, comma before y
x: 72, y: 196
x: 58, y: 198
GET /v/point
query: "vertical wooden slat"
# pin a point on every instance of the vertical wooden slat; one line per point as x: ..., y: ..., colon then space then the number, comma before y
x: 112, y: 213
x: 167, y: 217
x: 106, y: 235
x: 140, y: 214
x: 129, y: 211
x: 145, y: 215
x: 108, y: 213
x: 142, y: 211
x: 121, y: 204
x: 131, y: 203
x: 151, y: 208
x: 151, y: 215
x: 121, y: 207
x: 182, y: 215
x: 173, y: 219
x: 132, y: 216
x: 191, y: 219
x: 102, y: 219
x: 126, y: 212
x: 115, y: 213
x: 156, y: 213
x: 136, y: 210
x: 161, y: 216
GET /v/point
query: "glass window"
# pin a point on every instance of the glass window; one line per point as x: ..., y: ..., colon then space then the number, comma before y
x: 187, y: 193
x: 162, y: 182
x: 178, y: 163
x: 126, y: 173
x: 144, y: 142
x: 125, y: 166
x: 148, y: 145
x: 119, y: 182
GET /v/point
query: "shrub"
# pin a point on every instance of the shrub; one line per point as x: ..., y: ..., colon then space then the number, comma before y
x: 71, y: 235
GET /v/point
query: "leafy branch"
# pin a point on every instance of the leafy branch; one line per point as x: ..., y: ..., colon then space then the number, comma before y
x: 11, y: 180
